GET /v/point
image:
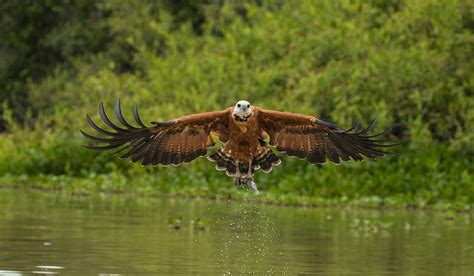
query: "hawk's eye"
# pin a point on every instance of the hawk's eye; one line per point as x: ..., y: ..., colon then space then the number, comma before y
x: 238, y: 105
x: 248, y: 106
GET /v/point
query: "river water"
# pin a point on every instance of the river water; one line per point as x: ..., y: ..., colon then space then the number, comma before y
x: 53, y: 233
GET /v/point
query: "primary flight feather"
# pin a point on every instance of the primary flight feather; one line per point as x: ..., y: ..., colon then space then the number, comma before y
x: 244, y: 131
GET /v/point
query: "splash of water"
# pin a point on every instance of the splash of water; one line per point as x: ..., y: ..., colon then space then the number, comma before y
x: 250, y: 223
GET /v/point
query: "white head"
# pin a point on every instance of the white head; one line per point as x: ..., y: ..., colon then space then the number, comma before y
x: 242, y: 110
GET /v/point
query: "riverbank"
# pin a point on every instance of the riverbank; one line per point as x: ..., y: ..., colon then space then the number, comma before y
x: 109, y: 184
x: 428, y: 176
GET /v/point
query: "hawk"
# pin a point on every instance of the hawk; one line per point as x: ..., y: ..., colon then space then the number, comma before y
x: 247, y: 134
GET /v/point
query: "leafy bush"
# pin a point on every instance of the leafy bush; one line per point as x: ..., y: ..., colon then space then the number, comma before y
x: 409, y: 62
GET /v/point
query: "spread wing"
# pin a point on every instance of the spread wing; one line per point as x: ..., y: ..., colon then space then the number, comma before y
x: 174, y: 142
x: 312, y: 139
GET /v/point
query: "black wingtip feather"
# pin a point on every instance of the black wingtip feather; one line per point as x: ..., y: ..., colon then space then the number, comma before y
x: 119, y: 115
x: 137, y: 116
x: 98, y: 129
x: 170, y: 123
x: 99, y: 148
x: 119, y: 150
x: 326, y: 124
x: 369, y: 128
x: 354, y: 127
x: 106, y: 119
x: 385, y: 132
x: 93, y: 138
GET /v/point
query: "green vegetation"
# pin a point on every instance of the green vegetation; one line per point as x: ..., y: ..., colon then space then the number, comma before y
x: 409, y: 62
x: 175, y: 222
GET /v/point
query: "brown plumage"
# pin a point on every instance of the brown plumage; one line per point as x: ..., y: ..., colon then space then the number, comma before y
x: 242, y: 129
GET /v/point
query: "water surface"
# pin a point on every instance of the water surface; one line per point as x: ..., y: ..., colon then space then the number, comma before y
x: 53, y: 233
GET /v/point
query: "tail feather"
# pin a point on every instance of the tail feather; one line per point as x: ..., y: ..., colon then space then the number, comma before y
x: 265, y: 161
x: 223, y: 163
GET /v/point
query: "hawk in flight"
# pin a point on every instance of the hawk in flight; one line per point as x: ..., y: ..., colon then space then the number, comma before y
x: 246, y: 133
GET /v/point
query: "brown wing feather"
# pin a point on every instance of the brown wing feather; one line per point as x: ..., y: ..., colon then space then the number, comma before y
x: 301, y: 145
x: 175, y: 142
x: 178, y: 158
x: 307, y: 137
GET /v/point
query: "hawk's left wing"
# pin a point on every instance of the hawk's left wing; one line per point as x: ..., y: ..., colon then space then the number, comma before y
x: 312, y: 139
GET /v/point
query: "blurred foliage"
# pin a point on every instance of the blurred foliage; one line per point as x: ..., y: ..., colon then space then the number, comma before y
x: 409, y: 62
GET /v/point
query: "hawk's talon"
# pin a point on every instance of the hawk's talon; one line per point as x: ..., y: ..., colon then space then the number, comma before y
x: 239, y: 181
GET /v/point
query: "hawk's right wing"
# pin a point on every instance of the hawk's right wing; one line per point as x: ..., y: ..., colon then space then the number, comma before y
x: 174, y: 142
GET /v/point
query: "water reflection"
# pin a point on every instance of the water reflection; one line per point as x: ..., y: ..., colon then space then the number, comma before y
x: 45, y: 233
x: 9, y: 273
